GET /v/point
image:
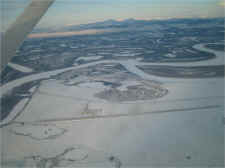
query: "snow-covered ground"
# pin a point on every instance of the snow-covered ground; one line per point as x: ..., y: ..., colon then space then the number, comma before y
x: 93, y: 85
x: 138, y: 140
x: 126, y: 84
x: 170, y: 55
x: 128, y: 53
x: 10, y: 85
x: 219, y: 60
x: 130, y: 65
x: 187, y: 122
x: 89, y: 58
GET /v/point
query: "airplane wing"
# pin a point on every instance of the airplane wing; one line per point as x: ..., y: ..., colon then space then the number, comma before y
x: 17, y: 32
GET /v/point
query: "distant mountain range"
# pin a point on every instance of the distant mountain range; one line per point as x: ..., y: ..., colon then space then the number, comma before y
x: 131, y: 23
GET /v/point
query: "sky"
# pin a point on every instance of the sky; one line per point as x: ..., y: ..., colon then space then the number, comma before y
x: 75, y: 12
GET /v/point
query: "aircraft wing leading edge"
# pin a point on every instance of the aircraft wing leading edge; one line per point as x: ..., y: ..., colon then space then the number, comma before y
x: 17, y: 32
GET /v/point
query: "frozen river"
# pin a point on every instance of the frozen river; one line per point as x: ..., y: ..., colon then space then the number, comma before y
x: 130, y: 65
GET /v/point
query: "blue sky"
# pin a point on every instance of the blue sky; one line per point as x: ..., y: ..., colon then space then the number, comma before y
x: 73, y: 12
